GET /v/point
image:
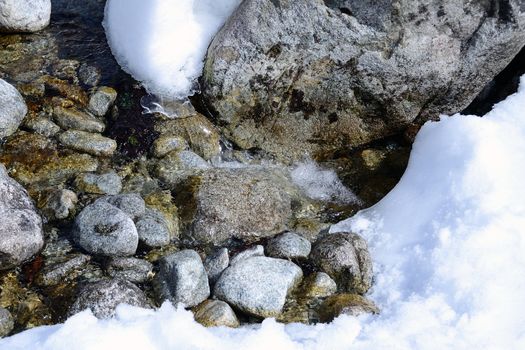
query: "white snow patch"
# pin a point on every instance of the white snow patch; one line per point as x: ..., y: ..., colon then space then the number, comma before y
x: 162, y: 43
x: 448, y: 245
x: 321, y: 184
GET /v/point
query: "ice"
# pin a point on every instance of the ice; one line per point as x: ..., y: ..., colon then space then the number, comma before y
x: 448, y: 246
x: 162, y: 43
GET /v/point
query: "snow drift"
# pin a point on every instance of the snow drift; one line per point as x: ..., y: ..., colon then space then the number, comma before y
x: 162, y: 43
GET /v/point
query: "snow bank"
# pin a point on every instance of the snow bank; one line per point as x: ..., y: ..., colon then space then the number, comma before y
x: 448, y: 243
x: 162, y: 43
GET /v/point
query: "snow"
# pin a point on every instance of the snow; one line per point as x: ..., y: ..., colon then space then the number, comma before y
x: 321, y: 184
x: 162, y: 43
x: 447, y: 244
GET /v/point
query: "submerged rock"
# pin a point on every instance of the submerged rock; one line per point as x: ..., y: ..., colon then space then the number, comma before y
x: 58, y: 204
x: 103, y: 229
x: 61, y: 272
x: 13, y: 108
x: 21, y: 235
x: 130, y: 269
x: 178, y: 165
x: 101, y: 101
x: 340, y: 73
x: 94, y: 144
x: 344, y: 257
x: 259, y: 285
x: 108, y: 183
x: 24, y: 15
x: 215, y: 313
x: 224, y: 204
x: 70, y: 118
x: 103, y: 297
x: 183, y: 279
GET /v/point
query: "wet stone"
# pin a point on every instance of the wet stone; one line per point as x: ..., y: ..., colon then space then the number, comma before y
x: 168, y: 143
x: 178, y: 165
x: 319, y: 285
x: 101, y: 100
x: 153, y: 229
x: 215, y: 313
x: 130, y: 203
x: 63, y: 271
x: 88, y: 75
x: 6, y: 322
x: 12, y: 108
x: 130, y: 269
x: 109, y: 183
x: 70, y: 118
x: 289, y: 245
x: 58, y: 204
x: 345, y: 304
x: 42, y: 126
x: 216, y: 263
x: 94, y: 144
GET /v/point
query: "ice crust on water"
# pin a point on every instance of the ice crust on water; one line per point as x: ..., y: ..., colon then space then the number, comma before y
x: 447, y: 242
x: 321, y: 184
x: 162, y: 43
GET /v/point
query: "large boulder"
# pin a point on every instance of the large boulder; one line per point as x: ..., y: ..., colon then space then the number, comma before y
x: 319, y: 76
x: 21, y: 235
x: 24, y: 15
x: 13, y: 108
x: 258, y: 286
x: 245, y: 204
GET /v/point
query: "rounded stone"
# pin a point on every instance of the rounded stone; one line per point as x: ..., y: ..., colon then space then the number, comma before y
x: 319, y: 285
x: 153, y: 229
x: 13, y: 108
x: 259, y: 285
x: 216, y: 263
x: 6, y: 322
x: 344, y: 257
x: 103, y: 297
x: 130, y: 269
x: 101, y: 100
x: 24, y: 15
x: 130, y: 203
x: 215, y: 313
x: 183, y: 279
x: 108, y: 183
x: 345, y: 304
x: 289, y: 245
x: 103, y: 229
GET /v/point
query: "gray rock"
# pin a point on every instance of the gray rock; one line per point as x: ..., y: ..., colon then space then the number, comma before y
x: 108, y: 183
x: 24, y: 15
x: 289, y: 245
x: 345, y: 258
x: 43, y: 126
x: 295, y: 77
x: 59, y: 204
x: 94, y: 144
x: 130, y: 269
x: 178, y: 165
x: 319, y: 285
x: 216, y: 263
x: 21, y: 235
x: 216, y: 313
x: 153, y: 229
x: 259, y: 285
x: 6, y: 322
x: 70, y: 118
x: 89, y: 75
x: 168, y: 143
x: 104, y: 296
x: 246, y: 204
x: 130, y: 203
x: 257, y: 250
x: 183, y: 279
x: 62, y: 271
x: 13, y: 108
x: 101, y: 100
x: 103, y: 229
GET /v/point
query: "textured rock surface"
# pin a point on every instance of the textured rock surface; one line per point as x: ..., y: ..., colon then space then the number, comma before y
x: 6, y: 322
x: 153, y: 229
x: 319, y: 285
x: 108, y: 183
x: 104, y: 296
x: 62, y: 271
x: 245, y: 204
x: 21, y: 235
x: 58, y: 204
x: 288, y: 245
x: 345, y: 258
x: 101, y: 100
x: 70, y: 118
x: 94, y: 144
x: 103, y: 229
x: 257, y: 250
x: 216, y: 263
x: 178, y: 165
x: 130, y: 269
x: 215, y: 313
x: 183, y: 279
x: 24, y: 15
x: 317, y: 76
x: 130, y: 203
x: 13, y: 108
x: 259, y: 285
